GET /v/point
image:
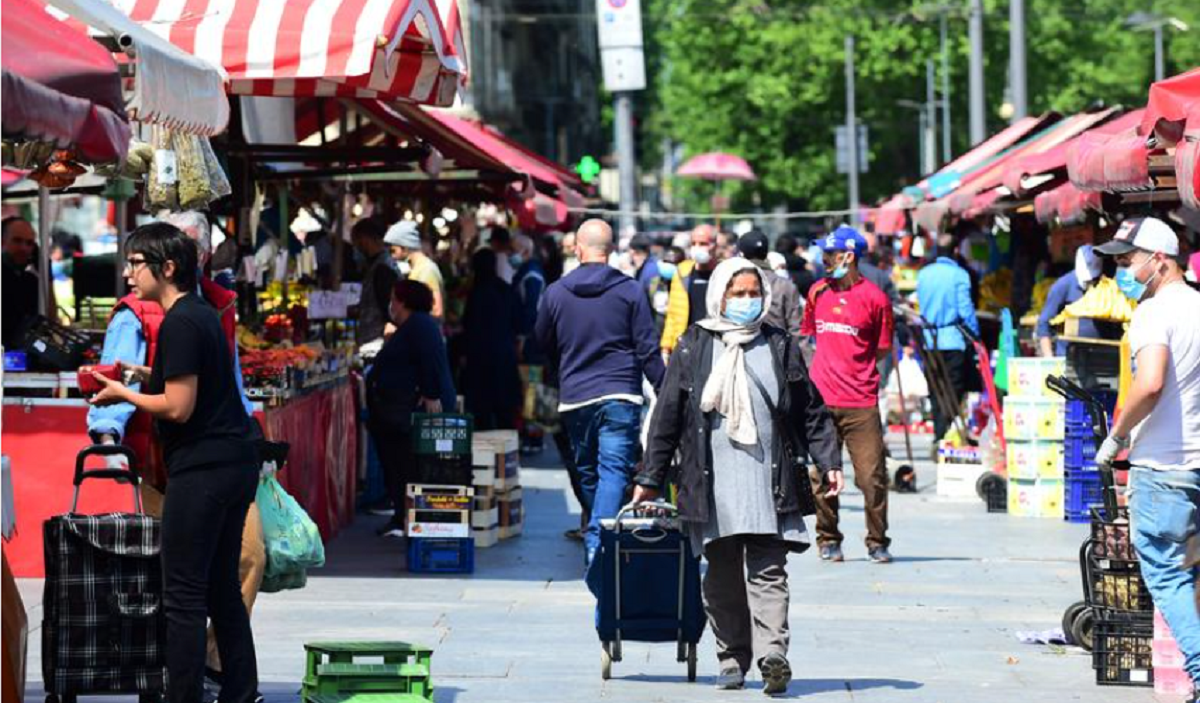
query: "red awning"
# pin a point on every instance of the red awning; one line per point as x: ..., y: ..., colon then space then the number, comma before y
x: 1066, y: 203
x: 60, y: 86
x: 1053, y: 161
x: 988, y: 149
x: 1173, y: 108
x: 1116, y: 161
x: 398, y: 49
x: 891, y: 217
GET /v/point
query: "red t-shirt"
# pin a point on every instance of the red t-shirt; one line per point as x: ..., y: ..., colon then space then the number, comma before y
x: 850, y: 327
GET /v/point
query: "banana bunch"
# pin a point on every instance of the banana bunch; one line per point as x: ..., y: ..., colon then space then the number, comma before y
x: 1041, y: 291
x: 995, y: 290
x: 1103, y: 301
x: 248, y: 340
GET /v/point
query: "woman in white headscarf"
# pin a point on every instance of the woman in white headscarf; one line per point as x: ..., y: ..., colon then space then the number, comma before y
x: 738, y: 407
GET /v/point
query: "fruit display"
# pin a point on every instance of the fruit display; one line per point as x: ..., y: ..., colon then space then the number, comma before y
x: 995, y: 291
x: 1103, y: 301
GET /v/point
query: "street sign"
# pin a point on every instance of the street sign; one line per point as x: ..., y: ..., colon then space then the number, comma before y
x: 843, y: 149
x: 624, y: 69
x: 619, y: 23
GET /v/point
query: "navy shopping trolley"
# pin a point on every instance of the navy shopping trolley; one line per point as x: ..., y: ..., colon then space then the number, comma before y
x: 648, y: 584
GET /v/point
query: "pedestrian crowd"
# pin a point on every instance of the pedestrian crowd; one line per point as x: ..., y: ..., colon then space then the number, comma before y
x: 721, y: 367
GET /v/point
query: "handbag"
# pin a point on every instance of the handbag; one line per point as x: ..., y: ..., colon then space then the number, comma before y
x: 784, y: 432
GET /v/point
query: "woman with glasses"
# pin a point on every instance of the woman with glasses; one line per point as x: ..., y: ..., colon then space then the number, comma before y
x: 212, y: 466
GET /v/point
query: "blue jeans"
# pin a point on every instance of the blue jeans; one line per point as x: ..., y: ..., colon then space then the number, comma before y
x: 605, y: 438
x: 1163, y: 511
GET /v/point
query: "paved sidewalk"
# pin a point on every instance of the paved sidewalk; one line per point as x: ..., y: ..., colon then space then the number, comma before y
x: 936, y: 626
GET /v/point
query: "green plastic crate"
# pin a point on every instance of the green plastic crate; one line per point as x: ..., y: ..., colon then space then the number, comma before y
x: 443, y: 434
x: 324, y: 659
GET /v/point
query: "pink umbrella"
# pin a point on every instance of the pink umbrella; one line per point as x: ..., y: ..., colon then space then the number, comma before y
x: 717, y: 166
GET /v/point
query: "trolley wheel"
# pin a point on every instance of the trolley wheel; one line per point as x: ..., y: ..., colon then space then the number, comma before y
x: 905, y: 479
x: 606, y: 661
x: 1081, y: 630
x: 1069, y: 616
x: 691, y: 662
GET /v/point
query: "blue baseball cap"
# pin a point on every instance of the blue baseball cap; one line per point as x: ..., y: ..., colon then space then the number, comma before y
x: 844, y: 238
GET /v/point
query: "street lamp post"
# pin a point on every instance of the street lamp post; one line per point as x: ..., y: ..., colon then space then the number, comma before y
x: 1151, y: 22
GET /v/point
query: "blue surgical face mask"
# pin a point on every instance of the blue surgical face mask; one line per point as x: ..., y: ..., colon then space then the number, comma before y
x: 516, y: 260
x: 1128, y: 283
x: 840, y: 272
x: 743, y: 311
x: 666, y: 270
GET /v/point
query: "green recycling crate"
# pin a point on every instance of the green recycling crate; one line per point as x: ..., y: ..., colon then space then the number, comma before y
x: 337, y: 669
x: 443, y: 434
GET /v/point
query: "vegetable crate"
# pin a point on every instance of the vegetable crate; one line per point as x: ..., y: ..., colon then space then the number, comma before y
x: 443, y: 434
x: 1122, y: 652
x: 338, y: 672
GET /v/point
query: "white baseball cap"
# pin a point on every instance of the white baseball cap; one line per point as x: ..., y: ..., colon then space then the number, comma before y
x: 1145, y: 233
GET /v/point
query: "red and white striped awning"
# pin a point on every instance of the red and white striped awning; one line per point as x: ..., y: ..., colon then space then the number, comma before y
x: 398, y: 49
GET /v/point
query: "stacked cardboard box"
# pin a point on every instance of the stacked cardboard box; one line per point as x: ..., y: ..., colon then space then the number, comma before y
x: 496, y: 471
x: 1033, y: 431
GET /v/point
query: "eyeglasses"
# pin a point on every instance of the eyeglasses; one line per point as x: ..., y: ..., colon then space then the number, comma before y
x: 131, y: 264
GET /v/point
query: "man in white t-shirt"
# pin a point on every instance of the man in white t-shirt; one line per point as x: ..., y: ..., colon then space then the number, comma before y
x: 1160, y: 421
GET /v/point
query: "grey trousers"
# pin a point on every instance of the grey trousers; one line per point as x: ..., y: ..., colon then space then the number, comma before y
x: 746, y: 598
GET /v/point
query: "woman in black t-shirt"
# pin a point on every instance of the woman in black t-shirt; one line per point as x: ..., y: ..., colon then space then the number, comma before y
x: 192, y: 395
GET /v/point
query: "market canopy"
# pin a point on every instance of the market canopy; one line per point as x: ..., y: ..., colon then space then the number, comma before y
x: 1173, y: 118
x: 397, y: 49
x: 170, y: 87
x: 59, y: 86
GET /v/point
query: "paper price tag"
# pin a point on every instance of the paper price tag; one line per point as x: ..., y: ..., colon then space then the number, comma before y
x: 165, y: 166
x: 444, y: 445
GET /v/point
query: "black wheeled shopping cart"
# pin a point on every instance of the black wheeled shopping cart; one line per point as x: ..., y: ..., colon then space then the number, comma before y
x: 103, y: 629
x: 649, y: 584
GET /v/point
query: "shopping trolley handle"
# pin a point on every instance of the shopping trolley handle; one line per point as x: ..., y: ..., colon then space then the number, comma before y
x: 655, y: 505
x: 1067, y: 388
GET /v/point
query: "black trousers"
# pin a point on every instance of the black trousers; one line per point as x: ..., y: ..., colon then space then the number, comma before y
x: 398, y: 462
x: 956, y: 363
x: 203, y: 517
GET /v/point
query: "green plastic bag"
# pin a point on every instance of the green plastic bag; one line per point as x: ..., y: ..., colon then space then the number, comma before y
x: 292, y: 540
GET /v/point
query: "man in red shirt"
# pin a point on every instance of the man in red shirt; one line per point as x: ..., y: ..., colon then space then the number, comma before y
x: 851, y: 319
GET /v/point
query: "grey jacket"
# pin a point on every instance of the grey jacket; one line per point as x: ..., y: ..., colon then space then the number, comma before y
x: 785, y: 303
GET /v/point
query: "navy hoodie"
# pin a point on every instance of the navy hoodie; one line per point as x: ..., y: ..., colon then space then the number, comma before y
x: 596, y: 326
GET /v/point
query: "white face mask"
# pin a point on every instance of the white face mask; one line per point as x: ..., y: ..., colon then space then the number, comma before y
x: 701, y: 255
x: 404, y: 268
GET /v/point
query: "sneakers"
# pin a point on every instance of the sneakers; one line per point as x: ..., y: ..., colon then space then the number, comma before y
x: 731, y: 679
x: 880, y: 555
x: 776, y: 673
x: 391, y: 529
x: 832, y: 552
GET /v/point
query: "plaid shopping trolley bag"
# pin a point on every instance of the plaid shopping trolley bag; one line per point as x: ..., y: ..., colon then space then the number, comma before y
x: 103, y: 629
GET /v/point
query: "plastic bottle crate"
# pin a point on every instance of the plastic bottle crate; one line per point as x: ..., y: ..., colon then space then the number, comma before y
x: 1079, y: 453
x: 1077, y: 412
x: 437, y: 555
x: 1123, y: 653
x: 1078, y: 430
x: 1084, y: 491
x: 442, y: 433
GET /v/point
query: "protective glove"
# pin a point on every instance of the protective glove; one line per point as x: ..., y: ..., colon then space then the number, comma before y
x: 1107, y: 454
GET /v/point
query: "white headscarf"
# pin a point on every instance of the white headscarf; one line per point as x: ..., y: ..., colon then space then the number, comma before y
x: 728, y: 388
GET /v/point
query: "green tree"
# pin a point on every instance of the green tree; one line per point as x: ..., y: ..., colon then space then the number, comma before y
x: 767, y: 81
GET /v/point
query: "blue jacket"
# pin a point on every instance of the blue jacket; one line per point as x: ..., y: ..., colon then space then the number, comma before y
x: 944, y: 294
x: 529, y: 282
x: 596, y: 326
x: 1065, y: 291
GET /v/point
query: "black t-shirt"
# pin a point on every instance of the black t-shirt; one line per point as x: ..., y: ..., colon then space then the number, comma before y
x: 192, y: 343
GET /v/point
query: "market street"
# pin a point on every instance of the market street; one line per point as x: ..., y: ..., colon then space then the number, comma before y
x: 935, y: 626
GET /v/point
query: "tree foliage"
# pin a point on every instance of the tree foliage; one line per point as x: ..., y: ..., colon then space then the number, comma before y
x: 765, y: 79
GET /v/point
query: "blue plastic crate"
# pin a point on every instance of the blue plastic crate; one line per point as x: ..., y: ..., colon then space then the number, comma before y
x: 1078, y: 431
x: 441, y: 555
x: 1079, y: 453
x: 1076, y: 412
x: 1083, y: 490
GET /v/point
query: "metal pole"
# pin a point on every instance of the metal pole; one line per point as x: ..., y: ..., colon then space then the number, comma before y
x: 625, y: 161
x: 930, y: 140
x: 851, y: 128
x: 946, y: 151
x: 978, y: 120
x: 1160, y: 69
x: 43, y: 263
x: 122, y: 235
x: 1016, y: 50
x: 923, y: 142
